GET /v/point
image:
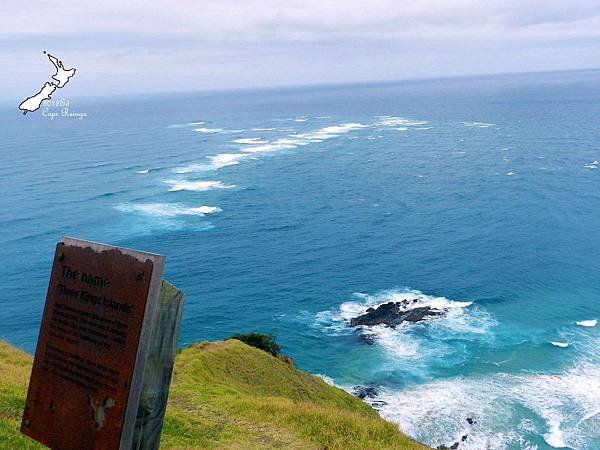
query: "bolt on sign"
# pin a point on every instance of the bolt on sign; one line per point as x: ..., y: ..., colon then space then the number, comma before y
x: 90, y: 384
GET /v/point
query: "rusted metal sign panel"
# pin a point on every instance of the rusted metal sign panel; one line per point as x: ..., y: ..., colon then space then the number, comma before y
x: 87, y: 373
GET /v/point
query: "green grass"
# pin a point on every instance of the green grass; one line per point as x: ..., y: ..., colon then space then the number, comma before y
x: 15, y: 367
x: 227, y: 395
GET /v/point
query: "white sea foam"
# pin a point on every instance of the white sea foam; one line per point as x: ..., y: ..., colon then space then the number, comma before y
x: 415, y: 298
x: 299, y: 139
x: 185, y: 185
x: 559, y: 344
x: 259, y: 145
x: 393, y: 121
x: 208, y: 130
x: 435, y: 412
x: 510, y: 174
x: 592, y: 165
x: 185, y: 125
x: 167, y: 210
x: 587, y: 323
x: 143, y: 171
x: 192, y: 168
x: 251, y: 141
x: 256, y: 145
x: 412, y: 346
x: 477, y: 124
x: 400, y: 342
x: 226, y: 159
x: 331, y: 131
x: 326, y: 379
x: 277, y: 145
x: 214, y: 162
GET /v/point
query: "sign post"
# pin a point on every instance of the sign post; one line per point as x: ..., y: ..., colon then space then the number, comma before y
x: 158, y: 370
x: 98, y: 331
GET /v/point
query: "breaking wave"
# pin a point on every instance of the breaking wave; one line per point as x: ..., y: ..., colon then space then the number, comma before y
x: 214, y: 162
x: 415, y: 298
x: 185, y: 125
x: 477, y: 124
x: 251, y: 141
x: 256, y: 145
x: 393, y: 121
x: 462, y: 320
x: 197, y: 186
x: 560, y: 409
x: 167, y: 209
x: 208, y: 130
x: 563, y: 408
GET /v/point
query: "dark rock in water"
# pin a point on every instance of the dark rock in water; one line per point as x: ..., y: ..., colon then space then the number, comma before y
x: 464, y: 438
x: 367, y: 339
x: 363, y: 392
x: 393, y: 314
x: 453, y: 446
x: 471, y: 421
x: 418, y: 314
x: 377, y: 404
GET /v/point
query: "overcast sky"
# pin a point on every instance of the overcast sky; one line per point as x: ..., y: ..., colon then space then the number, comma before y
x: 140, y: 46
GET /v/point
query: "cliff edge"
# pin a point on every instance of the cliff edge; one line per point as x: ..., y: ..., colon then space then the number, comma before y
x: 228, y: 395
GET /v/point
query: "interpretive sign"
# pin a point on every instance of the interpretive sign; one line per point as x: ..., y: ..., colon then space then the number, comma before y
x: 96, y: 330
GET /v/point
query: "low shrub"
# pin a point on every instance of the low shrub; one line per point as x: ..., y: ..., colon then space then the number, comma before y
x: 264, y: 342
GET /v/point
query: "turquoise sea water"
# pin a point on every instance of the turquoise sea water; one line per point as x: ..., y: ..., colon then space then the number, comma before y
x: 290, y: 211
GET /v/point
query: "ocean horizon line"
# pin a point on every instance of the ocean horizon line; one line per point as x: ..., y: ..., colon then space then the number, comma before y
x: 210, y: 92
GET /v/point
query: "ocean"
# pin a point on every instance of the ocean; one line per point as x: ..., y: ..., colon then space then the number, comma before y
x: 290, y: 211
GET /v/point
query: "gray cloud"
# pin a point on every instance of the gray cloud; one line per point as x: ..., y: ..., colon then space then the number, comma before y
x: 185, y: 45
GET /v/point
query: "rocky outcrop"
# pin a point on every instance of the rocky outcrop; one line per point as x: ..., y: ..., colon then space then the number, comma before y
x: 393, y: 314
x: 453, y: 446
x: 456, y: 445
x: 363, y: 392
x: 369, y: 394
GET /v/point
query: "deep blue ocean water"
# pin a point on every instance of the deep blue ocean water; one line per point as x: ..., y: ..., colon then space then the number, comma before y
x: 290, y: 211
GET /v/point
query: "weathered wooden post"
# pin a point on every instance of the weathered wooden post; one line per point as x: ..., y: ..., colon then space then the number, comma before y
x: 159, y: 368
x: 105, y: 353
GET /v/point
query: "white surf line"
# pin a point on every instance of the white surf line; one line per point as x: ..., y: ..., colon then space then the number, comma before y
x: 197, y: 186
x: 559, y: 344
x: 250, y: 146
x: 167, y: 210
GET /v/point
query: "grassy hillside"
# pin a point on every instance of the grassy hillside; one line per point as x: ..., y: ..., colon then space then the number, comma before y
x: 227, y: 395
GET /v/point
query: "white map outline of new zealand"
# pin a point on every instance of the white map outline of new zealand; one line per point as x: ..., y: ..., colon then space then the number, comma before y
x: 61, y: 76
